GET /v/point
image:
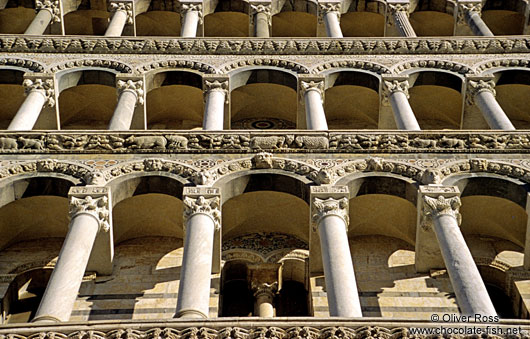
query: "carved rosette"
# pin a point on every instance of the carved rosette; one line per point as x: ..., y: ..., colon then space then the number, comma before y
x: 189, y: 7
x: 124, y: 6
x: 98, y: 207
x: 318, y: 86
x: 136, y: 87
x: 330, y: 206
x: 201, y: 205
x: 264, y: 289
x: 52, y: 6
x: 435, y: 207
x: 475, y: 87
x: 43, y: 86
x: 329, y: 7
x: 393, y: 86
x: 260, y: 8
x: 466, y: 9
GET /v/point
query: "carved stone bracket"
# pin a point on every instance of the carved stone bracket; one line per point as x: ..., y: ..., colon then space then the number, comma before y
x: 126, y: 6
x: 437, y: 201
x: 261, y: 7
x: 191, y: 7
x: 202, y: 200
x: 53, y: 6
x: 329, y: 200
x: 465, y: 9
x: 134, y: 86
x: 43, y: 85
x: 92, y: 200
x: 328, y: 7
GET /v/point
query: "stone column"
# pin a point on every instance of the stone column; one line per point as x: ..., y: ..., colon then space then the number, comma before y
x: 191, y: 17
x: 39, y: 91
x: 396, y: 94
x: 264, y: 294
x: 441, y: 212
x: 48, y: 11
x: 215, y: 96
x: 330, y: 14
x: 130, y: 93
x: 398, y: 16
x: 313, y: 92
x: 89, y: 213
x: 482, y: 93
x: 329, y: 216
x: 260, y: 17
x: 122, y: 13
x: 469, y: 12
x: 202, y: 217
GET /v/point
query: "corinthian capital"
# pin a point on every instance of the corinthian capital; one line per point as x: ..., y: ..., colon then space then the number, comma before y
x: 435, y: 207
x: 328, y: 7
x: 52, y: 6
x: 312, y: 85
x: 202, y: 205
x: 93, y: 201
x: 476, y: 86
x: 264, y: 289
x: 43, y: 86
x: 330, y: 206
x: 125, y: 6
x: 391, y: 86
x: 134, y: 86
x: 191, y: 7
x: 399, y: 8
x: 466, y: 8
x: 265, y: 8
x: 216, y: 85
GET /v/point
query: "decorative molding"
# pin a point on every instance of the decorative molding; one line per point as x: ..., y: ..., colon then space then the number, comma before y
x: 175, y: 168
x: 45, y: 86
x: 52, y: 6
x: 264, y: 243
x: 88, y: 63
x: 175, y: 64
x: 25, y: 64
x: 74, y: 170
x: 264, y: 62
x: 433, y: 63
x: 505, y: 62
x: 91, y: 200
x: 362, y: 65
x: 135, y: 87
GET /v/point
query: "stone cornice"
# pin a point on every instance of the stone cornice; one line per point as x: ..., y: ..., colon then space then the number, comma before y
x: 256, y: 46
x: 281, y: 141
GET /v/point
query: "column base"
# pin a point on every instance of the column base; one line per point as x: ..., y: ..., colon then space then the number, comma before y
x: 191, y: 313
x: 46, y: 319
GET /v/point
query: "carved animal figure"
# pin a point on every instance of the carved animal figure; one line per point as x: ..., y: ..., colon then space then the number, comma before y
x: 8, y: 143
x: 271, y: 142
x: 177, y: 141
x: 146, y: 142
x: 31, y: 143
x: 309, y: 142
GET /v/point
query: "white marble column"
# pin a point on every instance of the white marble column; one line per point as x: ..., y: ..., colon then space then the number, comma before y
x: 47, y: 12
x: 469, y: 12
x: 122, y: 14
x: 396, y: 94
x: 38, y: 93
x: 330, y: 14
x: 130, y: 93
x: 191, y: 17
x: 260, y: 15
x: 313, y: 93
x: 399, y: 17
x: 216, y: 95
x: 482, y: 93
x: 89, y: 214
x: 330, y: 216
x: 442, y: 213
x: 202, y: 216
x: 264, y: 295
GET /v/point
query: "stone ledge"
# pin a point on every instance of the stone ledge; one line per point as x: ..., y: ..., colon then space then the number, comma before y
x: 285, y: 141
x: 256, y: 46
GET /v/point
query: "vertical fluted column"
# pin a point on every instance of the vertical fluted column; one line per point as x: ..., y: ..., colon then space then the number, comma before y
x: 330, y: 217
x: 39, y: 92
x: 312, y: 91
x: 89, y: 213
x: 441, y: 213
x: 264, y: 294
x: 47, y: 11
x: 482, y: 93
x: 398, y: 16
x: 260, y: 19
x: 396, y: 94
x: 329, y: 13
x: 122, y: 13
x: 215, y: 96
x: 191, y: 17
x: 130, y: 94
x: 469, y: 12
x: 202, y: 217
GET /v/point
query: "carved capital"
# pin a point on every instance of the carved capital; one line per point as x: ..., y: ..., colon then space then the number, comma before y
x: 395, y: 8
x: 136, y: 87
x: 43, y: 86
x: 322, y: 208
x: 265, y: 8
x: 435, y: 207
x: 475, y: 87
x: 91, y: 200
x: 264, y: 289
x: 124, y: 6
x: 202, y: 205
x: 191, y: 7
x: 313, y: 85
x: 328, y: 7
x: 52, y: 6
x: 465, y: 9
x: 216, y: 85
x: 391, y: 86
